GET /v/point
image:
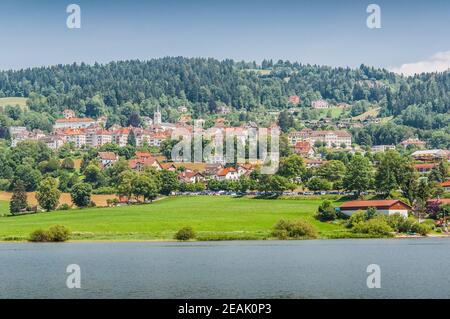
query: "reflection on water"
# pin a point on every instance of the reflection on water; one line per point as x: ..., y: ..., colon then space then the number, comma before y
x: 410, y: 268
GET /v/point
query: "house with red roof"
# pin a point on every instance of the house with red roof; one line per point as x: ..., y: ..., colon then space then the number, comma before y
x: 139, y: 164
x: 228, y: 173
x: 191, y: 177
x: 388, y: 207
x: 304, y: 148
x: 107, y: 159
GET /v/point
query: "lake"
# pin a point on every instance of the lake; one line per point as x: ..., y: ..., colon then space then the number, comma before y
x: 410, y: 268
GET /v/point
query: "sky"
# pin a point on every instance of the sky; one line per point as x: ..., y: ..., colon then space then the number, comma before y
x: 414, y: 35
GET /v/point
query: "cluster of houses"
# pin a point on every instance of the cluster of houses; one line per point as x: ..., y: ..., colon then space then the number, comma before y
x: 190, y: 172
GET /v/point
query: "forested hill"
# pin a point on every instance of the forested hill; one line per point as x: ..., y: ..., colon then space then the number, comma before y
x: 118, y: 88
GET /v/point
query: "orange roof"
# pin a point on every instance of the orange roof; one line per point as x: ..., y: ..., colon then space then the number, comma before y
x: 167, y: 165
x: 107, y: 155
x: 74, y: 132
x: 225, y: 171
x: 445, y: 184
x: 372, y: 203
x: 75, y: 119
x: 143, y: 155
x: 144, y: 162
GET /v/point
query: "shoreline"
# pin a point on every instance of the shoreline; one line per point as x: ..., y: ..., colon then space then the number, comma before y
x: 400, y: 237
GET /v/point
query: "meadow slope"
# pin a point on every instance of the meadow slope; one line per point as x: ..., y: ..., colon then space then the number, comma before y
x: 211, y: 217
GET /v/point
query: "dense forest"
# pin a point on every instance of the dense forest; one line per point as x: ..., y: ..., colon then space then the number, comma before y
x: 419, y: 104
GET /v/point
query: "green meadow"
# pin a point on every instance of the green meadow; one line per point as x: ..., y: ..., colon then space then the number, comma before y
x: 212, y: 218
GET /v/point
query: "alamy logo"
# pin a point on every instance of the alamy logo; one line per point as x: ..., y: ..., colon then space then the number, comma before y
x: 74, y: 19
x: 74, y: 279
x: 374, y: 279
x: 374, y: 19
x: 228, y: 145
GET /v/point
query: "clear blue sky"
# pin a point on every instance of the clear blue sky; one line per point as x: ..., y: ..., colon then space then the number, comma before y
x: 34, y: 33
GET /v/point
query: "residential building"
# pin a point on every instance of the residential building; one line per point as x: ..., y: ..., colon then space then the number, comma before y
x: 191, y: 177
x: 107, y: 159
x: 304, y: 148
x: 328, y: 138
x: 387, y: 207
x: 76, y: 136
x: 430, y: 155
x: 68, y: 114
x: 139, y: 164
x: 382, y: 148
x: 228, y: 173
x: 319, y: 104
x: 74, y: 123
x: 413, y: 142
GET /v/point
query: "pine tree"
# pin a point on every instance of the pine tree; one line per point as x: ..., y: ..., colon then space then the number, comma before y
x: 19, y: 198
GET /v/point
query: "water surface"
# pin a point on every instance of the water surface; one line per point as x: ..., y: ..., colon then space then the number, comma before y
x: 410, y: 268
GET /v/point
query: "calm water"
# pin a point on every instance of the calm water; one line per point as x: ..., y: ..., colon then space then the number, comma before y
x: 410, y: 268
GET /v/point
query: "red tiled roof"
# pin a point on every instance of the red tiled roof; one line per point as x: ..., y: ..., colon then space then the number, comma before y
x: 143, y: 155
x: 445, y: 184
x: 372, y: 203
x: 144, y: 162
x: 107, y: 156
x: 225, y: 171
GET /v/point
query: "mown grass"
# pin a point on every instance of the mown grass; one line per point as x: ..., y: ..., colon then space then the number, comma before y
x: 212, y: 217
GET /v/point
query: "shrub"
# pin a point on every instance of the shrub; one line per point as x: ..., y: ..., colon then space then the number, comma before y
x: 356, y: 218
x: 285, y: 229
x: 64, y: 207
x: 56, y: 233
x: 326, y: 212
x: 39, y: 235
x: 375, y: 227
x: 421, y: 228
x: 59, y: 233
x: 185, y: 233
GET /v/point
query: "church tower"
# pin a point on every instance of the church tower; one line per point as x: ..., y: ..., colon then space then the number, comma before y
x: 157, y: 117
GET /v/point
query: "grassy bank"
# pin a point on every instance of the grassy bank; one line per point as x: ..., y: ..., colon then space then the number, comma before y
x: 212, y: 217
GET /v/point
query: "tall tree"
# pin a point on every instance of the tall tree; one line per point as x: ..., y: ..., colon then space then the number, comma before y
x: 19, y: 198
x: 359, y: 175
x: 48, y: 194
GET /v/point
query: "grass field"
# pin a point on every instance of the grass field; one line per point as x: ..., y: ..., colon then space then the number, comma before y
x: 211, y: 217
x: 21, y: 101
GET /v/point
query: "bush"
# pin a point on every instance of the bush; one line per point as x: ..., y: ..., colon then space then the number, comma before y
x: 64, y: 207
x: 185, y: 233
x: 286, y: 229
x: 421, y: 228
x: 326, y: 212
x: 374, y: 227
x: 39, y: 235
x: 59, y: 233
x: 56, y: 233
